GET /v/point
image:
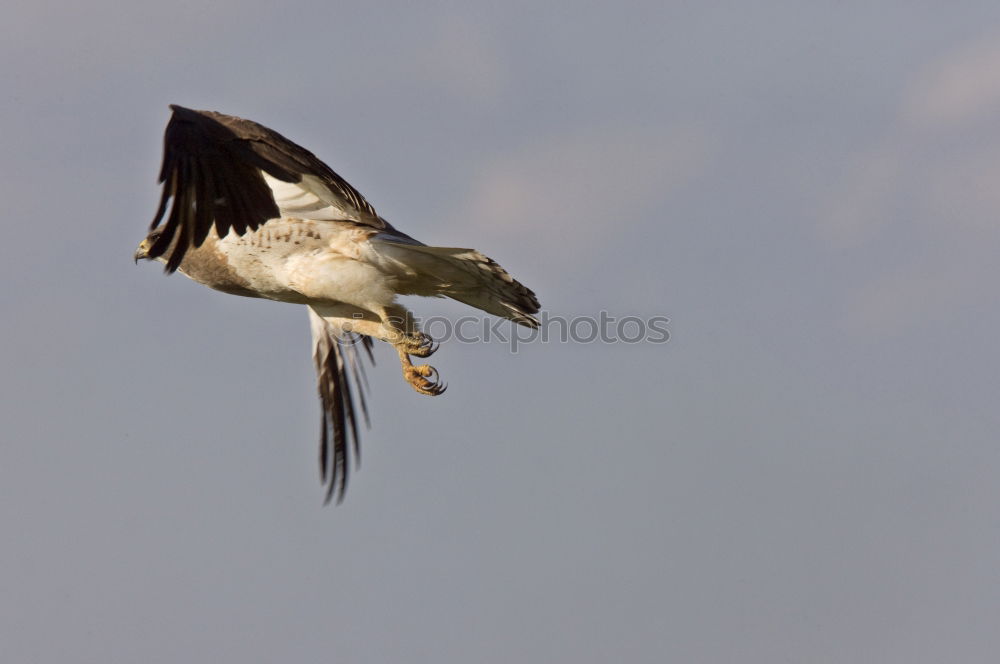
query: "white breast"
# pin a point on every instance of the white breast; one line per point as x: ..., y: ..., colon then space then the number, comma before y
x: 309, y: 262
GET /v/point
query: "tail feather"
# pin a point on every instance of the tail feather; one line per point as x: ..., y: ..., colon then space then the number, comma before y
x: 468, y: 276
x: 335, y: 352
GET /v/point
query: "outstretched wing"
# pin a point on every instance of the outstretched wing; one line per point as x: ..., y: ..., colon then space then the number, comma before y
x: 233, y: 174
x: 338, y: 362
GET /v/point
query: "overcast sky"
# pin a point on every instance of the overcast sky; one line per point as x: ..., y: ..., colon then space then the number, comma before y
x: 806, y: 472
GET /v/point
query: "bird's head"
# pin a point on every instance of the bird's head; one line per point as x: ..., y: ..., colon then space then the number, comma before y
x: 142, y: 252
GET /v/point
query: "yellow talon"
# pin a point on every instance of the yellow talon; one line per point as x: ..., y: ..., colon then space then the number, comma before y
x: 417, y: 378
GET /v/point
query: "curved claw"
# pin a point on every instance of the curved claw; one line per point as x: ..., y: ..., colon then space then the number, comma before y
x: 421, y: 345
x: 418, y: 378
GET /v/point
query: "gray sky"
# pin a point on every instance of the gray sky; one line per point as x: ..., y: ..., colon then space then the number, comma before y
x: 806, y: 472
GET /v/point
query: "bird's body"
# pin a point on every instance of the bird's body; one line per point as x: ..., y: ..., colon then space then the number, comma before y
x: 303, y: 261
x: 253, y: 214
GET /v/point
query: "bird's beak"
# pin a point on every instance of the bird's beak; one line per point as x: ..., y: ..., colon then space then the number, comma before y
x: 139, y: 253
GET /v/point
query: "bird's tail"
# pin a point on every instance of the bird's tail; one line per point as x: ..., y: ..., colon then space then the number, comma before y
x: 464, y: 275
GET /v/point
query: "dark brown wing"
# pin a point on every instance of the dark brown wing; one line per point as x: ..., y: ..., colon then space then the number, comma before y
x: 336, y: 354
x: 211, y: 177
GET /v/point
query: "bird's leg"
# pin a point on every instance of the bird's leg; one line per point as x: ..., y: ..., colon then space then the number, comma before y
x: 393, y: 325
x: 417, y: 376
x: 396, y: 326
x: 408, y: 340
x: 361, y: 326
x: 403, y: 332
x: 423, y: 378
x: 354, y: 319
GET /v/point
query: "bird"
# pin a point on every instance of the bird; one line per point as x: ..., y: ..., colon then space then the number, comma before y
x: 246, y: 211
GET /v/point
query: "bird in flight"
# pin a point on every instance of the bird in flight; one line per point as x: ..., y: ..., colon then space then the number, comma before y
x: 248, y: 212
